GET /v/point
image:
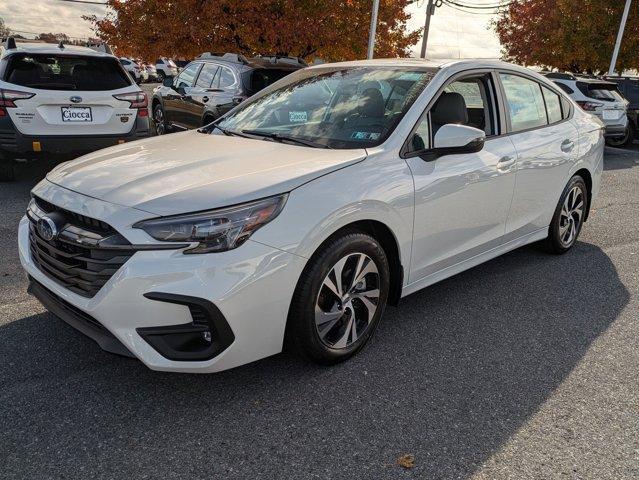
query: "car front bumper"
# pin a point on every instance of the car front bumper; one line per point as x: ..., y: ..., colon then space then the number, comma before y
x: 250, y: 288
x: 14, y: 144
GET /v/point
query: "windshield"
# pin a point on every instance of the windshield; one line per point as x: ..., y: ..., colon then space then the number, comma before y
x: 335, y: 107
x: 66, y: 72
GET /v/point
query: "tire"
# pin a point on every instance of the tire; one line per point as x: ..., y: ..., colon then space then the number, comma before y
x: 161, y: 76
x: 7, y: 170
x: 208, y: 119
x: 627, y: 139
x: 347, y: 321
x: 159, y: 120
x: 569, y: 217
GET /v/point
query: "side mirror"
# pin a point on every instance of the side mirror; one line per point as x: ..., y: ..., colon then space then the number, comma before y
x: 167, y: 82
x: 452, y: 138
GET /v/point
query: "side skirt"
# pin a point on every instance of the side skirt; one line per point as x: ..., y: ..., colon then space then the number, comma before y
x: 474, y: 261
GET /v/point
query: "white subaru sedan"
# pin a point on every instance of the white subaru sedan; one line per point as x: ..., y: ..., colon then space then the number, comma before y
x: 297, y: 217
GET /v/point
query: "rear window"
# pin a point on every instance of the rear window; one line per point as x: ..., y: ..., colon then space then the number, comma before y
x: 66, y: 72
x: 602, y: 91
x: 262, y: 78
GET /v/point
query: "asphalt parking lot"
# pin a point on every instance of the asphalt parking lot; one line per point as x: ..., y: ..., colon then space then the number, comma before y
x: 524, y: 367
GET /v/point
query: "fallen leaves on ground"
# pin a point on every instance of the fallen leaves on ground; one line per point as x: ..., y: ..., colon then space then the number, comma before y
x: 406, y: 461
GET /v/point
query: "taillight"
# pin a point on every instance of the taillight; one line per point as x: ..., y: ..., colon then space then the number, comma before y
x: 8, y: 97
x: 589, y: 106
x: 137, y: 100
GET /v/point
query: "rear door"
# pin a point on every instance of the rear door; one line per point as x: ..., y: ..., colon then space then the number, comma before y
x: 546, y: 143
x: 224, y: 91
x: 73, y: 94
x: 197, y: 97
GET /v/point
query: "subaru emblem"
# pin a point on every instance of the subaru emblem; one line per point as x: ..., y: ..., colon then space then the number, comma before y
x: 76, y: 99
x: 47, y: 228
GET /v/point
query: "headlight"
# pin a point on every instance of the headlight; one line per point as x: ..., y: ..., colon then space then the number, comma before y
x: 215, y: 230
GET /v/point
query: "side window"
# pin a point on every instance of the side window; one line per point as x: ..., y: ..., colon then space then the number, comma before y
x: 553, y: 105
x: 525, y: 102
x: 159, y: 61
x: 467, y: 101
x: 226, y: 78
x: 124, y: 62
x: 205, y: 78
x: 185, y: 79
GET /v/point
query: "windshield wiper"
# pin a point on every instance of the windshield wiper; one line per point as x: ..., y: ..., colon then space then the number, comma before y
x: 279, y: 138
x: 230, y: 133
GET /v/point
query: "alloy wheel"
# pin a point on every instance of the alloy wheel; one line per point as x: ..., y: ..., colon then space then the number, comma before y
x: 571, y: 216
x: 158, y: 120
x: 347, y: 301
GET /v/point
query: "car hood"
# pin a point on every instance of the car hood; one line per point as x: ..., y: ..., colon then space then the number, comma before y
x: 191, y: 171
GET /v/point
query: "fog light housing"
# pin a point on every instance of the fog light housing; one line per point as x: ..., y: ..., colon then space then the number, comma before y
x: 204, y: 338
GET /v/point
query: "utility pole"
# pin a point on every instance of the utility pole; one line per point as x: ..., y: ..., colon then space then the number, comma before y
x: 429, y: 11
x: 373, y: 29
x: 615, y: 53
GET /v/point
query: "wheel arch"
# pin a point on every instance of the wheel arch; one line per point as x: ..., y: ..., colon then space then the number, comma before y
x: 387, y: 239
x: 587, y: 176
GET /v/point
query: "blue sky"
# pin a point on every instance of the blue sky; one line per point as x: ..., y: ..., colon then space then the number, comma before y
x: 454, y: 34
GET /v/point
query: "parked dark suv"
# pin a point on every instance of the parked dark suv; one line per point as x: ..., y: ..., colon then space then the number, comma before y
x: 211, y: 85
x: 629, y: 88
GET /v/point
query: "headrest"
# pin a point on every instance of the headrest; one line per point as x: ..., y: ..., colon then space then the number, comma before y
x: 449, y: 108
x: 371, y: 103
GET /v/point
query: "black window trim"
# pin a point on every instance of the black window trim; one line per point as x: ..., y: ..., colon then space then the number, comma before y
x: 200, y: 71
x: 550, y: 85
x: 497, y: 107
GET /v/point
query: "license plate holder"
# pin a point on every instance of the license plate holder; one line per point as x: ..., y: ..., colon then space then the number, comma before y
x: 76, y: 114
x: 610, y: 114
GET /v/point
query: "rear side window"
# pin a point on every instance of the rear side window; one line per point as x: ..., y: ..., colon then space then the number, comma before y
x: 525, y: 102
x: 226, y: 78
x: 66, y: 72
x: 553, y: 105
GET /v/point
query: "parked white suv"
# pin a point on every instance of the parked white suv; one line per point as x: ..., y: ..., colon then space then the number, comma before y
x: 64, y: 100
x: 165, y: 67
x: 138, y: 73
x: 598, y: 97
x: 306, y: 209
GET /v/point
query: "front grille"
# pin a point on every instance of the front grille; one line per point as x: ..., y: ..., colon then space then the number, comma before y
x: 85, y: 254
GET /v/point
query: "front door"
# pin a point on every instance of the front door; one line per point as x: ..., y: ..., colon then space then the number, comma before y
x: 461, y: 200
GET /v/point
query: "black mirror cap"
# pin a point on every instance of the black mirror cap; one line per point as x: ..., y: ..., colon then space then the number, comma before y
x: 167, y: 82
x: 471, y: 147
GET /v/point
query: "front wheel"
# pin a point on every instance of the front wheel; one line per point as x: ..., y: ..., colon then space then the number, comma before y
x: 569, y: 217
x: 340, y: 299
x: 161, y: 76
x: 159, y: 120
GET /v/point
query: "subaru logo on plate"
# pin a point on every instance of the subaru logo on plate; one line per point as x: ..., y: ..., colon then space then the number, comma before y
x: 47, y: 228
x: 76, y: 99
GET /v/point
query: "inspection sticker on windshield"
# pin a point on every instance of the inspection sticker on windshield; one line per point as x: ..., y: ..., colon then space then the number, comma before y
x: 365, y: 135
x: 297, y: 117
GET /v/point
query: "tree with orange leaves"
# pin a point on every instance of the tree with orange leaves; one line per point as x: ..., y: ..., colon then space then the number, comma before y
x: 574, y: 35
x: 326, y: 29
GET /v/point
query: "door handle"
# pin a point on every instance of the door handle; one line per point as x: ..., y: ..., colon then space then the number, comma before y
x: 505, y: 162
x: 567, y: 145
x: 205, y: 99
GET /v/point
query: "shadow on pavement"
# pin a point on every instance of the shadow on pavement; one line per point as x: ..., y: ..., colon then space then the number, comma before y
x: 452, y: 373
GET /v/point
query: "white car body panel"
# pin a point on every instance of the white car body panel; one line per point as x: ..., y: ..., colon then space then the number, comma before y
x: 446, y: 215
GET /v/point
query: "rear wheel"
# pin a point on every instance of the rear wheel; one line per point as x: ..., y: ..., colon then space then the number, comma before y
x: 340, y: 299
x: 161, y: 76
x: 569, y: 217
x: 624, y: 141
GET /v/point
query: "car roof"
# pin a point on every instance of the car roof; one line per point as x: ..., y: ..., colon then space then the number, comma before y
x: 469, y: 63
x: 52, y: 48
